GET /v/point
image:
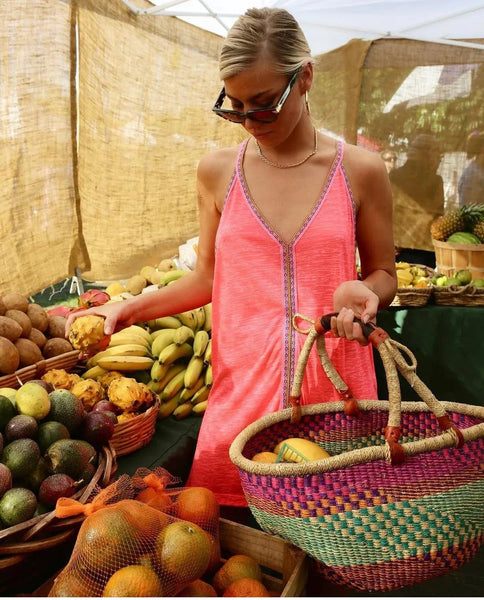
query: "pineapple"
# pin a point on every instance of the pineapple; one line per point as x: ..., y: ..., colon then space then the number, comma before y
x: 479, y: 230
x: 464, y: 218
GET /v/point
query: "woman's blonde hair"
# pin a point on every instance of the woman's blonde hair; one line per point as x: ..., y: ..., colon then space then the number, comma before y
x: 270, y: 33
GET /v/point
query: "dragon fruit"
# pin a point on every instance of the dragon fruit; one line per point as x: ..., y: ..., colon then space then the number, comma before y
x: 93, y: 298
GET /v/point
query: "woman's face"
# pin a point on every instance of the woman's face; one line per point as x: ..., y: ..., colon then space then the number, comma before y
x: 260, y: 87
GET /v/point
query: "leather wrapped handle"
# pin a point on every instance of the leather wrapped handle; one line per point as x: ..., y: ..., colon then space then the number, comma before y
x: 367, y: 328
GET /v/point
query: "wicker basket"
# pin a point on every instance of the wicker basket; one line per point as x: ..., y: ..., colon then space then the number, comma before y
x: 25, y: 542
x: 137, y: 432
x: 458, y: 295
x: 414, y: 296
x: 380, y: 514
x: 64, y: 361
x: 451, y: 258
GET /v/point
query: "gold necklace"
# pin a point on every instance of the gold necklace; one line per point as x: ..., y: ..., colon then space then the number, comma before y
x: 296, y: 164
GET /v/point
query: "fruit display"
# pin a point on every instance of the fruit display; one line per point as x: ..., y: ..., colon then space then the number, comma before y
x: 28, y: 334
x: 412, y: 276
x: 49, y: 447
x: 464, y: 225
x: 292, y: 450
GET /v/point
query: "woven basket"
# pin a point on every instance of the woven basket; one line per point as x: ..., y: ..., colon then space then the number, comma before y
x: 408, y: 296
x: 451, y: 258
x: 137, y: 432
x: 397, y: 503
x: 63, y: 361
x: 461, y: 295
x: 25, y: 542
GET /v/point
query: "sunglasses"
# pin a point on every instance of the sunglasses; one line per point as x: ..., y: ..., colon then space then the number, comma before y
x: 263, y: 115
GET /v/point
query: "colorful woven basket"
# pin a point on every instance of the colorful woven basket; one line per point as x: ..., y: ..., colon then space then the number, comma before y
x: 400, y: 499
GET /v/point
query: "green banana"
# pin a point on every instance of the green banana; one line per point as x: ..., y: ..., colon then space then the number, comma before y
x: 200, y: 395
x: 173, y: 352
x: 207, y: 308
x: 162, y: 340
x: 200, y: 342
x: 183, y: 335
x: 173, y: 386
x: 193, y: 371
x: 173, y: 275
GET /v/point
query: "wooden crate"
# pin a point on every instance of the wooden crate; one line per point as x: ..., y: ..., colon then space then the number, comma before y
x: 451, y: 258
x: 285, y: 567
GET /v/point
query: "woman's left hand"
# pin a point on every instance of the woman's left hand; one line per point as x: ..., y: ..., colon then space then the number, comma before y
x: 353, y: 299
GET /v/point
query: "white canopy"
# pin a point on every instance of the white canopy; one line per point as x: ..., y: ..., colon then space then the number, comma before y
x: 329, y: 24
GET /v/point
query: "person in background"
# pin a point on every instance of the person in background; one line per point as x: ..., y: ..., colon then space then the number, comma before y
x: 471, y: 182
x: 418, y: 199
x: 281, y: 217
x: 389, y: 157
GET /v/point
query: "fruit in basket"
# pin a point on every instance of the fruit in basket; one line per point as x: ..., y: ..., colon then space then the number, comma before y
x: 198, y: 588
x: 69, y: 457
x: 38, y: 316
x: 60, y: 379
x: 87, y: 333
x: 5, y: 479
x: 129, y: 395
x: 9, y: 328
x: 463, y: 237
x: 66, y: 408
x: 134, y: 581
x: 265, y: 457
x: 15, y: 301
x: 49, y: 432
x: 247, y: 588
x: 93, y: 297
x: 97, y: 428
x: 237, y: 566
x: 7, y: 411
x: 9, y: 357
x: 32, y: 399
x: 17, y: 505
x: 9, y: 393
x: 463, y: 219
x: 21, y: 318
x: 478, y: 283
x: 299, y: 450
x: 21, y: 426
x: 54, y: 487
x: 88, y: 391
x: 56, y: 347
x: 463, y: 276
x: 29, y: 352
x: 21, y: 457
x: 34, y: 479
x: 479, y: 230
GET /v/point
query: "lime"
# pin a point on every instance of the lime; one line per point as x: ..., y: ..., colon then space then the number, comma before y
x: 464, y: 276
x: 32, y: 399
x: 7, y: 411
x: 17, y: 505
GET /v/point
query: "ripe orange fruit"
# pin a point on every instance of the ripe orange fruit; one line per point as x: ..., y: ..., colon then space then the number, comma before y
x: 247, y: 588
x: 238, y: 566
x: 198, y: 588
x: 135, y: 581
x: 183, y: 551
x: 198, y: 505
x: 155, y: 499
x: 68, y: 585
x: 265, y: 457
x: 215, y: 553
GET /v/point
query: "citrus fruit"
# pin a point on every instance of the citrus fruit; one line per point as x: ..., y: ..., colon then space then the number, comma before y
x: 183, y: 551
x: 21, y: 457
x: 198, y: 588
x: 265, y: 457
x: 133, y: 581
x: 17, y: 505
x: 198, y: 505
x: 247, y: 588
x: 68, y: 584
x: 238, y: 566
x: 157, y: 499
x: 49, y: 432
x: 32, y: 399
x: 21, y: 426
x: 10, y: 393
x: 7, y: 411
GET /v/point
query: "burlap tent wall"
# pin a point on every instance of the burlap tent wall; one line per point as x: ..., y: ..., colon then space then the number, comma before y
x: 358, y: 96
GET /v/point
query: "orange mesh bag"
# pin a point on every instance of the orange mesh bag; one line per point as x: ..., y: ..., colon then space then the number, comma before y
x: 135, y: 541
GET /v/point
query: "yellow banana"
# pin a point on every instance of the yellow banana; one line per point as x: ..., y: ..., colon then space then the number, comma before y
x: 121, y: 350
x: 182, y: 411
x: 208, y: 378
x: 128, y: 337
x: 187, y: 393
x: 183, y: 335
x: 207, y: 308
x: 93, y: 372
x: 200, y: 342
x: 200, y: 395
x: 158, y: 371
x: 154, y: 386
x: 173, y: 386
x: 162, y: 340
x: 200, y: 408
x: 170, y: 322
x: 126, y: 363
x: 172, y: 371
x: 173, y: 275
x: 200, y: 315
x: 167, y: 408
x: 173, y: 352
x: 193, y: 371
x: 188, y: 318
x: 207, y: 357
x: 139, y: 330
x: 299, y: 450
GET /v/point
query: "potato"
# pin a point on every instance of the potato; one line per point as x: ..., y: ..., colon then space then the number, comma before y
x: 56, y: 327
x: 3, y: 308
x: 10, y: 329
x: 56, y: 346
x: 38, y: 316
x: 9, y: 357
x: 22, y: 319
x: 28, y: 351
x: 37, y: 337
x: 15, y: 301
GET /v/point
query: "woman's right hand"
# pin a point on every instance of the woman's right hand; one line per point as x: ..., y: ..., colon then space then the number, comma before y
x: 116, y: 315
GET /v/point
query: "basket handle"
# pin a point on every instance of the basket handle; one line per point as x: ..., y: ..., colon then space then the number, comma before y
x: 393, y: 363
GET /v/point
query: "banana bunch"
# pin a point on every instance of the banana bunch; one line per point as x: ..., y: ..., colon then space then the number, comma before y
x: 411, y: 275
x: 181, y: 373
x: 128, y: 350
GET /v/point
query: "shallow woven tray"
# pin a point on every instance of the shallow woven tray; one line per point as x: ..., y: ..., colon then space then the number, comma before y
x: 64, y: 361
x: 410, y: 296
x: 137, y: 432
x: 462, y: 295
x: 26, y: 540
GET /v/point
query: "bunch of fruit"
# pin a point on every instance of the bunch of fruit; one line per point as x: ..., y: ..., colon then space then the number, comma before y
x: 28, y: 334
x: 49, y: 447
x: 460, y: 278
x: 464, y: 225
x: 411, y: 275
x: 171, y: 355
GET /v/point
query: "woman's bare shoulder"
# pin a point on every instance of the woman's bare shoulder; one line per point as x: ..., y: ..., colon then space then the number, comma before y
x: 362, y: 161
x: 218, y: 162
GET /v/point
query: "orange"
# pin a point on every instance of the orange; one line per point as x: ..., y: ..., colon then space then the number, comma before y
x: 238, y: 566
x: 215, y: 553
x: 156, y: 499
x: 68, y: 585
x: 198, y: 588
x: 247, y: 588
x: 265, y: 457
x: 133, y: 581
x: 183, y: 551
x: 198, y: 505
